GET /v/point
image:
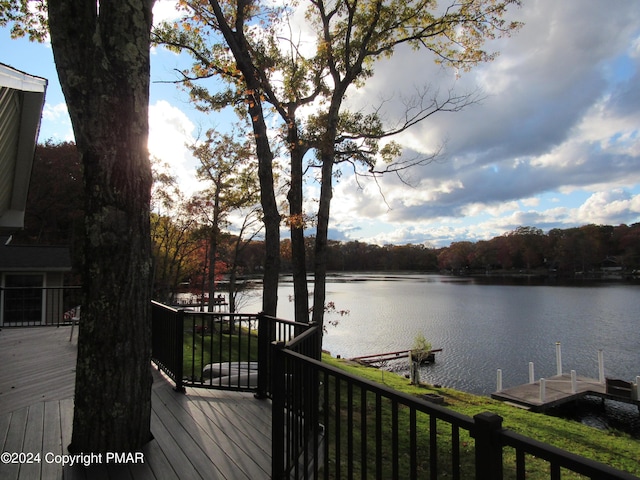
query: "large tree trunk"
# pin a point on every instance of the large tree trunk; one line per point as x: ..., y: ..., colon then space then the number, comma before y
x: 322, y: 233
x: 211, y: 274
x: 297, y: 223
x: 327, y: 157
x: 213, y: 246
x: 271, y: 216
x: 101, y: 52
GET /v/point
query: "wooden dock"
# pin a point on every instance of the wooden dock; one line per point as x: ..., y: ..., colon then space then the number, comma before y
x: 557, y: 390
x: 378, y: 359
x: 208, y: 434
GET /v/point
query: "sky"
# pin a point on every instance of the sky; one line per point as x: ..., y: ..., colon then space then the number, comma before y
x: 554, y: 141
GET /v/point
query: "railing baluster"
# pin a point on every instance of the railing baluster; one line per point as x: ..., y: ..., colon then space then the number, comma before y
x: 327, y: 426
x: 278, y: 448
x: 413, y: 444
x: 394, y: 439
x: 264, y: 359
x: 378, y: 435
x: 197, y: 373
x: 211, y: 325
x: 350, y: 431
x: 520, y: 465
x: 338, y: 414
x: 455, y: 451
x: 178, y: 349
x: 191, y: 325
x: 433, y: 447
x: 314, y: 404
x: 364, y: 460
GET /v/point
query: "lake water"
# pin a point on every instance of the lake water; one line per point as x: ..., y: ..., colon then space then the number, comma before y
x: 482, y: 327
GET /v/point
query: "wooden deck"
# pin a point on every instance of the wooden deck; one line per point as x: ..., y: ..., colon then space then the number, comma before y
x: 207, y: 434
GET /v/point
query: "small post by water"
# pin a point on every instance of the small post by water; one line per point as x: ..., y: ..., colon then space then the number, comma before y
x: 543, y: 386
x: 532, y: 378
x: 601, y: 366
x: 558, y: 358
x: 499, y: 381
x: 574, y: 382
x: 414, y: 371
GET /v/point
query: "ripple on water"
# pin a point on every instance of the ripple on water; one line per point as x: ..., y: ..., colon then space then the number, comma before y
x: 609, y: 415
x: 483, y: 327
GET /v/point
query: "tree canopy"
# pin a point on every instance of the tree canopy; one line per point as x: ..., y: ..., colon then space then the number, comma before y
x: 256, y: 48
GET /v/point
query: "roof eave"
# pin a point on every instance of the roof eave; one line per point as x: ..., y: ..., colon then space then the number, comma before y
x: 19, y: 160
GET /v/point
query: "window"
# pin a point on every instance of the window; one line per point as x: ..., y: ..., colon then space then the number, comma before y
x: 23, y: 299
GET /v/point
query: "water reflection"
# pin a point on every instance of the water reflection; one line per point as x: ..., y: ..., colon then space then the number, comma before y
x: 484, y: 326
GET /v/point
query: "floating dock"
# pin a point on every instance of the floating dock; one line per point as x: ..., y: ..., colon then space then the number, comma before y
x: 550, y: 392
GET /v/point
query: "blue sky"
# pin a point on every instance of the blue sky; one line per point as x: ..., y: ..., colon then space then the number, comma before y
x: 555, y: 142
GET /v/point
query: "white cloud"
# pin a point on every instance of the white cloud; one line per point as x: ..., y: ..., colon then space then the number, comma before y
x: 603, y: 207
x: 530, y: 202
x: 56, y: 124
x: 55, y: 113
x: 165, y: 10
x: 170, y: 131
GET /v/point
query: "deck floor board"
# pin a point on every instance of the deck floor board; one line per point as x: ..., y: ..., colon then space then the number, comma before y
x: 217, y: 448
x: 205, y: 434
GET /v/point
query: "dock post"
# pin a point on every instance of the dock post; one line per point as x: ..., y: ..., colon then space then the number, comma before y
x: 601, y: 366
x: 532, y: 378
x: 558, y: 358
x: 543, y: 386
x: 499, y: 381
x: 574, y: 382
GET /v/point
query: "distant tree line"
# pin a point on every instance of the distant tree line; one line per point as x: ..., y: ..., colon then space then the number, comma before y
x: 589, y: 249
x: 583, y: 250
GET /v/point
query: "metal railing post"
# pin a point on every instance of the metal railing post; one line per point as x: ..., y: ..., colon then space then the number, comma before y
x: 278, y: 396
x: 264, y: 351
x: 488, y: 446
x: 179, y: 351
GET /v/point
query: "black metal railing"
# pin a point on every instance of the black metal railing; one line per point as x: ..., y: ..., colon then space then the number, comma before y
x: 167, y: 341
x: 272, y: 329
x: 220, y: 350
x: 34, y: 306
x: 555, y: 460
x: 329, y: 424
x: 217, y: 350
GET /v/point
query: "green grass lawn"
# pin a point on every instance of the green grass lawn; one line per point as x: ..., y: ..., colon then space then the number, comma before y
x: 203, y: 348
x: 613, y: 448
